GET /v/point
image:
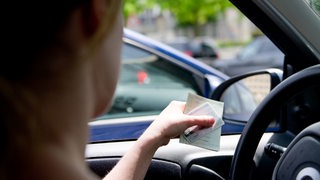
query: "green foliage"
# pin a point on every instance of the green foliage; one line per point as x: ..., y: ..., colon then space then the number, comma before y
x: 187, y: 12
x: 191, y: 12
x: 315, y: 5
x: 135, y: 7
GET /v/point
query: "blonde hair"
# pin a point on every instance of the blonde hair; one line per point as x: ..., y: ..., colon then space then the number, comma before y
x: 32, y: 29
x: 113, y: 7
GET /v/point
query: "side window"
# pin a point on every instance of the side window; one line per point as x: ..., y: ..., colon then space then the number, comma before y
x: 268, y: 47
x: 147, y: 84
x: 248, y: 51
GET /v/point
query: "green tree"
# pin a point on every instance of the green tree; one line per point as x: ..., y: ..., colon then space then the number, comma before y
x: 194, y: 12
x: 187, y: 12
x: 135, y: 7
x: 315, y: 5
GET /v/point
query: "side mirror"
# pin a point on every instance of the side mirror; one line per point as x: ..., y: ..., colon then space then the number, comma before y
x: 242, y: 94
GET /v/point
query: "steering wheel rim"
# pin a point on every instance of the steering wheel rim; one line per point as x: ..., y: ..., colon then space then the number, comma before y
x: 261, y: 118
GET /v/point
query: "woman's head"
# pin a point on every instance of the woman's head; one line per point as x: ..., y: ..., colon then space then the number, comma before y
x: 31, y: 27
x: 46, y: 42
x: 37, y: 33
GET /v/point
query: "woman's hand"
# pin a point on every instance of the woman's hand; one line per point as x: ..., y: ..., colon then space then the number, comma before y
x: 172, y: 122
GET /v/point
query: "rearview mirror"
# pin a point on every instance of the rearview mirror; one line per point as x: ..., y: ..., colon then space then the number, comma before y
x: 242, y: 94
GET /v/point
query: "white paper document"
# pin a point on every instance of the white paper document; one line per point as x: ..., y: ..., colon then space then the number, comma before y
x: 208, y: 138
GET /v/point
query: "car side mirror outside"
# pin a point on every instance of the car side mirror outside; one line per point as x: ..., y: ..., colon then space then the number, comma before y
x: 242, y: 94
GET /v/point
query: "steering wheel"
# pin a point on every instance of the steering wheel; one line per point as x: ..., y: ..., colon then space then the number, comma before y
x: 261, y: 118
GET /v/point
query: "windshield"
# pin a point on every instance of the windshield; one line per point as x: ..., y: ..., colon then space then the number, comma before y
x: 249, y: 50
x: 152, y: 74
x: 315, y: 6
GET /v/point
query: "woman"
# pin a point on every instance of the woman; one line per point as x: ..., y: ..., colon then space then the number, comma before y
x: 63, y: 66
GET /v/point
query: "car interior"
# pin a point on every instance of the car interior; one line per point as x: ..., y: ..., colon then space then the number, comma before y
x: 281, y: 134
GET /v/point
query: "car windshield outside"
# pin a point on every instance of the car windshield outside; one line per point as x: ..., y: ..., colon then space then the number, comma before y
x: 314, y: 5
x: 259, y: 45
x: 202, y: 48
x: 147, y: 84
x: 169, y: 61
x: 268, y: 79
x: 152, y: 76
x: 259, y: 54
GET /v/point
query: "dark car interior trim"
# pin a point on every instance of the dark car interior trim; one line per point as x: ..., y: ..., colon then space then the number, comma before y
x: 183, y: 161
x: 260, y: 119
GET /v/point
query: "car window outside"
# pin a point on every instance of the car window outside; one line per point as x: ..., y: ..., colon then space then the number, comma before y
x: 147, y: 84
x: 268, y: 47
x: 146, y: 76
x: 315, y: 6
x: 249, y: 50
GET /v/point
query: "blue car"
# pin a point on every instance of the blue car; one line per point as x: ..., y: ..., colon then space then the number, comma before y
x: 152, y: 75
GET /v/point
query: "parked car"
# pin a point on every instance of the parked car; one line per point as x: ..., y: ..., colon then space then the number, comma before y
x: 281, y: 140
x: 153, y: 74
x: 202, y: 48
x: 205, y: 48
x: 261, y: 53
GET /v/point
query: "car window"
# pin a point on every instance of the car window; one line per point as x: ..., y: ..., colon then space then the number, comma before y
x: 268, y: 47
x: 147, y: 84
x: 249, y: 50
x: 315, y: 5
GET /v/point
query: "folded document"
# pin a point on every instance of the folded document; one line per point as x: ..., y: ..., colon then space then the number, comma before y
x: 208, y: 138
